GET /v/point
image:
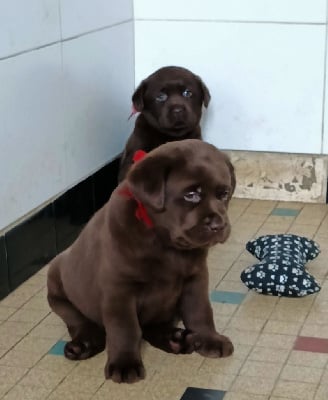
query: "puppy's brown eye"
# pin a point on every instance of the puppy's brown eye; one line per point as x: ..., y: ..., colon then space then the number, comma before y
x: 161, y: 97
x: 224, y: 195
x: 187, y: 93
x: 194, y: 196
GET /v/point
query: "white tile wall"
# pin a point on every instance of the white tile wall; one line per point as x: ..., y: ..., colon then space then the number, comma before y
x: 26, y: 25
x: 99, y: 82
x: 79, y: 16
x: 31, y: 162
x: 240, y: 10
x: 266, y: 80
x: 62, y: 119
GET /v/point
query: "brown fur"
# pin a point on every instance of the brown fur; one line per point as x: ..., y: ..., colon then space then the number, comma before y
x: 121, y: 280
x: 159, y: 122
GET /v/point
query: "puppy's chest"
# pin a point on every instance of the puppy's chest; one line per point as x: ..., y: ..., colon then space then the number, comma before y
x: 160, y: 292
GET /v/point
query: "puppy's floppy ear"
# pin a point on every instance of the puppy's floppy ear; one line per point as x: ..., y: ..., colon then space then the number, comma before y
x: 232, y: 175
x: 206, y: 92
x: 138, y: 96
x: 146, y: 180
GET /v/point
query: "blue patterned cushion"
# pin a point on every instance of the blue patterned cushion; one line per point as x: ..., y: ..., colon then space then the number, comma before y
x: 281, y: 270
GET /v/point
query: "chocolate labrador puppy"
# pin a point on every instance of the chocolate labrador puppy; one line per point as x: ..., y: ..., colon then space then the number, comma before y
x: 139, y: 265
x: 170, y: 105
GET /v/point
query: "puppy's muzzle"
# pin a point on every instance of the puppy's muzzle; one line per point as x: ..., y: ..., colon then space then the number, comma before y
x: 214, y: 223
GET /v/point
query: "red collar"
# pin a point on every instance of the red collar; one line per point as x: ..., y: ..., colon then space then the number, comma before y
x: 141, y: 212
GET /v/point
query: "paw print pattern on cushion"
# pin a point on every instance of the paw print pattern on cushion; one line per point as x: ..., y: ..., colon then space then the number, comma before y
x: 281, y: 270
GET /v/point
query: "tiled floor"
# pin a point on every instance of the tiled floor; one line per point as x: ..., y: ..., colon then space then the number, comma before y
x: 281, y: 344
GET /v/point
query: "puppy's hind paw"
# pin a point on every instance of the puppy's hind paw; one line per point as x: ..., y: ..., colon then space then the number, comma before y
x: 81, y: 350
x: 182, y: 341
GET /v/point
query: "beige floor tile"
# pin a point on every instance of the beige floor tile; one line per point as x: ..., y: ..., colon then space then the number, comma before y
x: 27, y: 315
x: 294, y: 390
x: 267, y: 354
x: 215, y: 277
x: 276, y: 341
x: 37, y: 303
x: 277, y: 219
x: 34, y: 345
x: 231, y: 286
x: 9, y: 341
x: 20, y: 392
x: 16, y: 300
x: 301, y: 374
x: 16, y: 358
x: 253, y: 218
x: 91, y: 367
x: 241, y: 351
x: 56, y: 364
x: 233, y: 275
x: 189, y: 363
x: 321, y: 393
x: 221, y: 322
x: 37, y: 280
x: 315, y: 317
x: 42, y: 378
x: 315, y: 330
x: 282, y: 327
x: 241, y: 337
x: 303, y: 230
x: 53, y: 319
x: 82, y: 383
x: 290, y: 204
x: 57, y: 394
x: 227, y: 366
x: 164, y: 387
x: 253, y: 385
x: 250, y: 324
x: 260, y: 369
x: 111, y: 390
x: 288, y: 314
x: 11, y: 374
x: 15, y: 328
x: 261, y: 207
x: 48, y: 331
x: 6, y: 312
x: 224, y: 309
x: 4, y: 388
x: 307, y: 359
x: 260, y: 311
x: 244, y: 396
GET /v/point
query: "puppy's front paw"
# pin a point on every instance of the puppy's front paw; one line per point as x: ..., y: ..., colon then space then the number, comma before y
x: 124, y: 371
x: 215, y: 346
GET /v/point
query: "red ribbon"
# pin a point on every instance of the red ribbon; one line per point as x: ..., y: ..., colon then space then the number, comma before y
x: 141, y: 212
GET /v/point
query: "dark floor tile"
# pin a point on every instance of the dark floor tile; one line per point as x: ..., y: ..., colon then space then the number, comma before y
x: 312, y: 344
x: 58, y: 348
x: 192, y: 393
x: 219, y: 296
x: 105, y: 181
x: 30, y: 246
x: 285, y: 212
x: 4, y: 278
x: 72, y: 211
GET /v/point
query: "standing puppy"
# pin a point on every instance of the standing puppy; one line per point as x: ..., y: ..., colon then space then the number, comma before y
x: 170, y: 105
x: 139, y: 265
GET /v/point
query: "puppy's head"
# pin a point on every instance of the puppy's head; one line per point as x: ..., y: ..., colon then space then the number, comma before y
x: 171, y: 100
x: 186, y: 187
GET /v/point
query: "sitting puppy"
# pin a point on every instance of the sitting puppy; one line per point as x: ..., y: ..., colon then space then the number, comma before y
x: 139, y: 265
x: 170, y: 102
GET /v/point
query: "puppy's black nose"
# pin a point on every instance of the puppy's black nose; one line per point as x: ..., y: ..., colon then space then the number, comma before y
x: 177, y: 109
x: 214, y: 223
